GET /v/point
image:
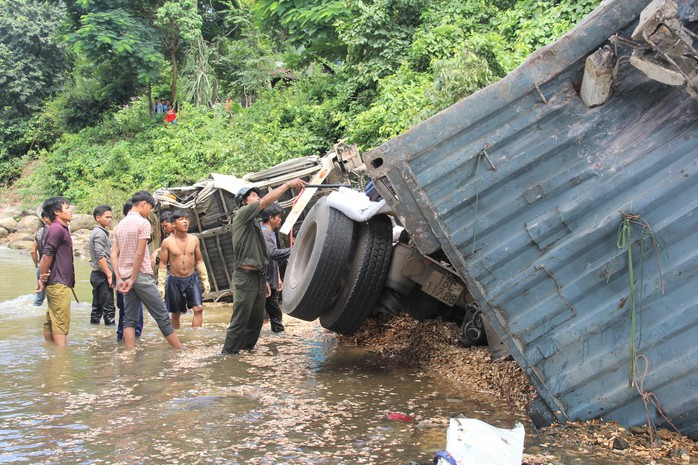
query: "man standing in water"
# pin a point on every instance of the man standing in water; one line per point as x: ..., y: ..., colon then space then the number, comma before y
x: 57, y: 273
x: 166, y: 230
x: 120, y: 298
x: 36, y: 253
x: 131, y: 261
x: 100, y: 260
x: 250, y: 260
x: 271, y: 220
x: 182, y: 252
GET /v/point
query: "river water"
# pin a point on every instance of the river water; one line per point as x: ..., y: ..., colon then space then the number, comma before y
x: 297, y: 399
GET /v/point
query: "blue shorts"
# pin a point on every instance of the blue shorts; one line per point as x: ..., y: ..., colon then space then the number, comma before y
x: 182, y: 294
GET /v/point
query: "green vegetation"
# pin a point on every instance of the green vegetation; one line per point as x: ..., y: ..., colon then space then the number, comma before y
x: 77, y: 80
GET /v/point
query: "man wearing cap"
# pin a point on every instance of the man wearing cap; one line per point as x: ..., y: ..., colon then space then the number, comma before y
x: 250, y: 260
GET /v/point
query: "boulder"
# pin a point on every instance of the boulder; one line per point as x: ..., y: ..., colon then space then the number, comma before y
x: 30, y: 224
x: 21, y: 245
x: 4, y: 233
x: 81, y: 221
x: 8, y: 223
x: 12, y: 211
x: 81, y: 243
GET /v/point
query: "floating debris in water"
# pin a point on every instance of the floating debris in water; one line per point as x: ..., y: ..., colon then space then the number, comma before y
x: 397, y: 416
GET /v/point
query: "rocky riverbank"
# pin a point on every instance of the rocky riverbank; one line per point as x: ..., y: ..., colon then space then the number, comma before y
x: 19, y: 225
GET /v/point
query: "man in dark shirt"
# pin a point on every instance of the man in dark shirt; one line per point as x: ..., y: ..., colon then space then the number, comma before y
x: 57, y: 274
x: 101, y: 277
x: 250, y: 260
x: 271, y: 220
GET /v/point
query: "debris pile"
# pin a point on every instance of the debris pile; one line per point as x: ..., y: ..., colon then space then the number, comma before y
x: 433, y: 346
x: 594, y: 436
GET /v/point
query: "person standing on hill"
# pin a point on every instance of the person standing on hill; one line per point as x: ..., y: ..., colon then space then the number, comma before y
x: 171, y: 116
x: 57, y: 272
x: 101, y: 278
x: 131, y: 261
x: 250, y: 260
x: 180, y: 288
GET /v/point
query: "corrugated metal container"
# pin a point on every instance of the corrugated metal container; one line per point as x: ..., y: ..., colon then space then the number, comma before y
x: 525, y: 189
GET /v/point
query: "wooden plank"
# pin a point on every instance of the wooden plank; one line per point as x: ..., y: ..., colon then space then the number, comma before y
x: 306, y: 195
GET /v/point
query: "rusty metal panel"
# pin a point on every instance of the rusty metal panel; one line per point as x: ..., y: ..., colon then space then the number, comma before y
x: 523, y: 187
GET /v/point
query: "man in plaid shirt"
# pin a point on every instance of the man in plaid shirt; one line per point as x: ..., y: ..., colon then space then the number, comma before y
x: 134, y: 273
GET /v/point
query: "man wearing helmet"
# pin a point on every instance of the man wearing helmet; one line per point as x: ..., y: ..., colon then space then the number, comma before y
x: 250, y: 260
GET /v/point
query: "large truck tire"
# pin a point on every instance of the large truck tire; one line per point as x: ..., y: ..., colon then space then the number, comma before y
x: 365, y: 278
x: 314, y: 268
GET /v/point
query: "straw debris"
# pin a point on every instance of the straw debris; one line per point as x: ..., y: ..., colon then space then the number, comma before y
x: 432, y: 346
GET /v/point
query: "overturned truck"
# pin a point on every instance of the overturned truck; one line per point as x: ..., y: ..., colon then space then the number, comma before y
x: 557, y: 207
x: 342, y: 270
x: 566, y: 197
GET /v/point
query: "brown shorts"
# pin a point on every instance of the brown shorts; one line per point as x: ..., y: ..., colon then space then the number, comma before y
x: 58, y: 313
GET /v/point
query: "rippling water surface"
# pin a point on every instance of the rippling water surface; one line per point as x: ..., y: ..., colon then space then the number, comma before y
x: 297, y: 399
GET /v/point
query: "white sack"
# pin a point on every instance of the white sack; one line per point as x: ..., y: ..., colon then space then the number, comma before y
x: 474, y: 442
x: 356, y: 205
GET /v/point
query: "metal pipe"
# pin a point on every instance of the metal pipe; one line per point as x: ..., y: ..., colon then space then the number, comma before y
x: 331, y: 186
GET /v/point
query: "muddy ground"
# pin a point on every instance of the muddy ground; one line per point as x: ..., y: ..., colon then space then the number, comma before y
x: 433, y: 347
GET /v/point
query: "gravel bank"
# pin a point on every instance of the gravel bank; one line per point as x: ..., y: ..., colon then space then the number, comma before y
x: 432, y: 346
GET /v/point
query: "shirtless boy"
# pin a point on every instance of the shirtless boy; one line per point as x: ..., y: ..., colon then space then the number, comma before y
x: 182, y: 252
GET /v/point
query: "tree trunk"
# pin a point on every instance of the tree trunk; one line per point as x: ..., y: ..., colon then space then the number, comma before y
x: 173, y: 87
x: 150, y: 100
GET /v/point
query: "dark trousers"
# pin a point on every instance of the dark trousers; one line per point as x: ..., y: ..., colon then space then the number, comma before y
x: 144, y: 292
x: 102, y: 299
x: 274, y: 311
x: 249, y: 294
x: 120, y: 324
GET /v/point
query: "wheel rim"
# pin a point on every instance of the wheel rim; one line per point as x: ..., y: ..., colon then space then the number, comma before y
x: 304, y: 254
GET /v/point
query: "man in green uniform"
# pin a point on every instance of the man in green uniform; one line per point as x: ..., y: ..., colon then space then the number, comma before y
x: 250, y: 260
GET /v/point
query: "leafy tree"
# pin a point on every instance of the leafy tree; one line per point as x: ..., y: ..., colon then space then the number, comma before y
x: 32, y: 65
x: 246, y: 65
x: 215, y: 18
x: 178, y: 21
x: 530, y: 24
x: 445, y: 26
x: 84, y: 100
x: 366, y: 70
x: 378, y: 35
x: 308, y: 25
x: 136, y: 36
x: 122, y: 45
x: 199, y: 80
x: 32, y: 61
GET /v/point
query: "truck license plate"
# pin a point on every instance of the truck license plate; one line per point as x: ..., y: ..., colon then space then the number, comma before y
x: 443, y: 288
